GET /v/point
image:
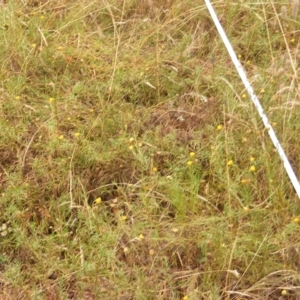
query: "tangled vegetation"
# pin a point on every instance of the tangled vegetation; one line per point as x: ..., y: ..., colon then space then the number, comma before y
x: 133, y: 164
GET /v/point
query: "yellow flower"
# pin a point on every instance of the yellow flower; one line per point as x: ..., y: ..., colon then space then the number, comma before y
x: 154, y: 169
x: 98, y: 200
x: 246, y: 208
x: 292, y: 40
x: 76, y: 134
x: 59, y: 48
x: 61, y: 137
x: 284, y: 292
x: 262, y: 91
x: 244, y: 96
x: 245, y: 180
x: 42, y: 17
x: 185, y: 298
x: 141, y: 237
x: 296, y: 220
x: 51, y: 100
x: 151, y: 252
x: 252, y: 168
x: 189, y: 163
x: 123, y: 218
x: 130, y: 147
x: 192, y: 154
x: 230, y: 163
x: 17, y: 97
x: 251, y: 158
x: 33, y: 45
x: 219, y: 127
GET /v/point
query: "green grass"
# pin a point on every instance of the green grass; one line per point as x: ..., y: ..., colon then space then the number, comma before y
x: 133, y: 164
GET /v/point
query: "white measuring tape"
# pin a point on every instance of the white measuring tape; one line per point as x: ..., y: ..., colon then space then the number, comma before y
x: 254, y: 99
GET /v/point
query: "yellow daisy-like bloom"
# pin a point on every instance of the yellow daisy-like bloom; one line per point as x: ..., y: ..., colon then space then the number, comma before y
x: 245, y: 181
x: 230, y: 163
x: 219, y: 127
x: 244, y: 96
x: 98, y: 200
x: 17, y: 97
x: 251, y: 158
x: 185, y: 298
x: 189, y: 163
x: 252, y: 168
x: 192, y: 154
x: 296, y: 220
x: 123, y: 218
x: 76, y: 134
x: 154, y: 169
x: 61, y: 137
x: 51, y: 100
x: 130, y: 147
x: 141, y: 237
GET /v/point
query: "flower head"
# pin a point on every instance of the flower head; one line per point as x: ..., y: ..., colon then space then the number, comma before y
x: 98, y: 200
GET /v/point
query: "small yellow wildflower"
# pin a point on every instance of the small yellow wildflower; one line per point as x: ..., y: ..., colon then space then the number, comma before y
x: 274, y: 124
x: 192, y: 154
x: 141, y: 237
x: 252, y: 158
x: 292, y: 40
x: 284, y: 292
x: 248, y: 62
x: 59, y: 48
x: 219, y: 127
x: 245, y: 181
x: 185, y: 298
x: 246, y: 209
x: 131, y: 140
x: 130, y: 147
x: 76, y: 134
x: 230, y: 163
x: 151, y: 252
x: 51, y: 100
x: 239, y: 56
x: 140, y: 144
x: 91, y: 110
x: 189, y: 163
x: 33, y: 45
x: 244, y: 140
x: 61, y: 137
x: 252, y: 168
x: 262, y: 91
x: 98, y: 200
x: 17, y: 97
x: 154, y: 169
x: 125, y: 249
x: 123, y: 218
x: 296, y: 220
x: 244, y: 96
x: 42, y: 17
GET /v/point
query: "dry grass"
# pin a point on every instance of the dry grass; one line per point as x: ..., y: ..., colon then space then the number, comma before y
x: 133, y: 165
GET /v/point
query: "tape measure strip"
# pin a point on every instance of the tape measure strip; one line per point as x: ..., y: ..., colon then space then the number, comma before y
x: 289, y: 170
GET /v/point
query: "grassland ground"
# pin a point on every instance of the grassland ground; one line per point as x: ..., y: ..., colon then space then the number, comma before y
x: 133, y: 164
